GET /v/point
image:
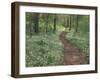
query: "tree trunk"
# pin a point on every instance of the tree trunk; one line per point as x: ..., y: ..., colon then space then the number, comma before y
x: 76, y: 29
x: 55, y: 19
x: 47, y: 22
x: 70, y: 21
x: 36, y: 22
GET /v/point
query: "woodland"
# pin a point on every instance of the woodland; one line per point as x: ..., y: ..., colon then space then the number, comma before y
x: 56, y: 39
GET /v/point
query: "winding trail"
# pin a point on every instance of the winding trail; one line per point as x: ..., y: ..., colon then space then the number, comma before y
x: 72, y: 54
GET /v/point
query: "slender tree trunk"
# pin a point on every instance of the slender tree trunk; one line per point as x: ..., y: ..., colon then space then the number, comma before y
x: 66, y: 22
x: 76, y: 29
x: 31, y: 28
x: 36, y: 22
x: 70, y: 22
x: 55, y: 19
x: 47, y: 22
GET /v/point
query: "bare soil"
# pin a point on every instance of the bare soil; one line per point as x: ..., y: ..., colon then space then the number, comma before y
x: 72, y: 54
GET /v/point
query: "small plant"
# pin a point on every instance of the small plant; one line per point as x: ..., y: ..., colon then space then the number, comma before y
x: 43, y: 50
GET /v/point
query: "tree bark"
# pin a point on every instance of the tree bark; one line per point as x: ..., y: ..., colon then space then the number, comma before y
x: 36, y: 22
x: 47, y: 22
x: 70, y: 21
x: 76, y: 29
x: 55, y: 19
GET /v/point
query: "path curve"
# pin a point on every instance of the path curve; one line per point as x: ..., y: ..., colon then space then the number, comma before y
x: 72, y: 54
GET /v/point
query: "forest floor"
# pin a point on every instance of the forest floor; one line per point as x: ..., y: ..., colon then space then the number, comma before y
x: 72, y: 54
